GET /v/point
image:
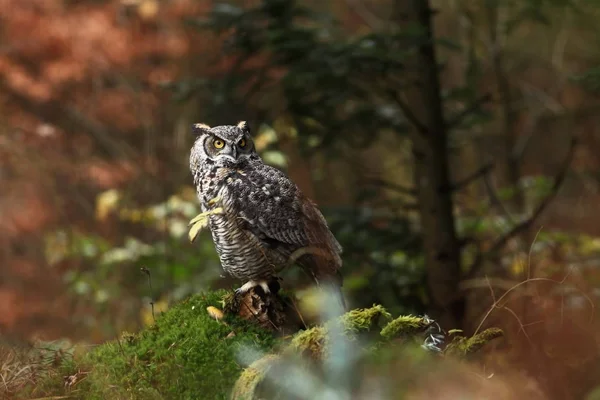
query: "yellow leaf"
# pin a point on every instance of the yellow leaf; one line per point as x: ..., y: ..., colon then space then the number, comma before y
x: 196, y: 228
x: 106, y: 202
x: 215, y: 313
x: 200, y: 221
x: 589, y: 245
x: 215, y: 211
x: 266, y: 136
x: 198, y: 218
x: 56, y: 247
x: 518, y: 265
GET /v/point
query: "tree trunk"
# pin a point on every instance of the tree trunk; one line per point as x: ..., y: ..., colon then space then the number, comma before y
x: 431, y: 167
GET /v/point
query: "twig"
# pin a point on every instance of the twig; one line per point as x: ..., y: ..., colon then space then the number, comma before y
x: 147, y: 272
x: 495, y: 200
x: 487, y: 280
x: 530, y: 271
x: 483, y: 170
x: 525, y: 224
x: 522, y: 142
x: 410, y: 116
x: 298, y: 312
x: 531, y: 252
x: 521, y: 325
x: 458, y: 118
x: 256, y: 317
x: 518, y: 285
x: 392, y: 95
x: 392, y: 186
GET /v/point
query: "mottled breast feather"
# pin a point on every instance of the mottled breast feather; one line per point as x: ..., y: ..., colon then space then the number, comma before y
x: 266, y: 219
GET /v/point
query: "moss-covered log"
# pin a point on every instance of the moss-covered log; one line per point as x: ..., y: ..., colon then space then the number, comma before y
x: 248, y: 385
x: 403, y: 326
x: 463, y: 346
x: 314, y: 342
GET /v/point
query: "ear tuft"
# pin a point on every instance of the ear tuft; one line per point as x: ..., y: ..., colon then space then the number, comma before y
x: 199, y: 129
x: 243, y: 125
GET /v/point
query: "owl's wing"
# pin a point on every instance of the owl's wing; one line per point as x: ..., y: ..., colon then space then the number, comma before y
x: 274, y: 209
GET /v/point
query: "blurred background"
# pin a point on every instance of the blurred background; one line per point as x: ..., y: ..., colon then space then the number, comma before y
x: 463, y: 183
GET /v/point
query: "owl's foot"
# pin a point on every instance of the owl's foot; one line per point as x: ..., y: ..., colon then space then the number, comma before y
x: 250, y: 284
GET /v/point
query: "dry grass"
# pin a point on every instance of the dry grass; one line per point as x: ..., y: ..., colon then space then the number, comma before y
x: 23, y: 365
x: 17, y: 369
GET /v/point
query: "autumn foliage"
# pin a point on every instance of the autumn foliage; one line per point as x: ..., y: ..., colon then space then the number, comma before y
x: 82, y: 109
x: 94, y: 137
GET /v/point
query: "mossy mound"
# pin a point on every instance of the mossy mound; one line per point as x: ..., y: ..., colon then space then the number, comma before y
x: 187, y: 354
x: 191, y: 352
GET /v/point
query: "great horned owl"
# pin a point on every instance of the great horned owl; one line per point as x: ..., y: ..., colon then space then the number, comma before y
x: 266, y: 222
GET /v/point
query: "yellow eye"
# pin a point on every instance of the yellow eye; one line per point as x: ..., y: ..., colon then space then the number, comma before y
x: 242, y: 143
x: 218, y: 143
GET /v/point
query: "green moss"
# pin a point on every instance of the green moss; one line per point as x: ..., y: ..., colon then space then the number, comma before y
x: 314, y: 341
x: 187, y: 354
x: 364, y: 319
x: 247, y: 386
x: 403, y: 326
x: 230, y: 303
x: 462, y: 346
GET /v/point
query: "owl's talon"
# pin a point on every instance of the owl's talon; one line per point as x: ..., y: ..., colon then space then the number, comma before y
x: 250, y: 284
x: 265, y: 286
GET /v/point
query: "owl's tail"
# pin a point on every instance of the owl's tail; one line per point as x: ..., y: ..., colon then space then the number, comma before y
x: 323, y: 266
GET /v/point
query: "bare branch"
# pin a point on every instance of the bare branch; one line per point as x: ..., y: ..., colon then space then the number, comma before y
x: 525, y: 224
x: 496, y: 302
x: 495, y: 200
x: 483, y: 170
x: 392, y: 95
x: 458, y: 118
x: 392, y: 186
x: 410, y: 116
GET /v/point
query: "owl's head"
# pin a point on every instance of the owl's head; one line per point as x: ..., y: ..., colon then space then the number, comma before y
x: 226, y: 145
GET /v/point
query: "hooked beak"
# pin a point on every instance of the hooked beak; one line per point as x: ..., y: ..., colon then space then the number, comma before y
x: 229, y: 152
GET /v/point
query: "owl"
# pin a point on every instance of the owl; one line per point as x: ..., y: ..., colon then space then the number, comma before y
x: 265, y: 222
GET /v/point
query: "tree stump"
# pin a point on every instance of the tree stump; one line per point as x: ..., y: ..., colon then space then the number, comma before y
x: 271, y: 311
